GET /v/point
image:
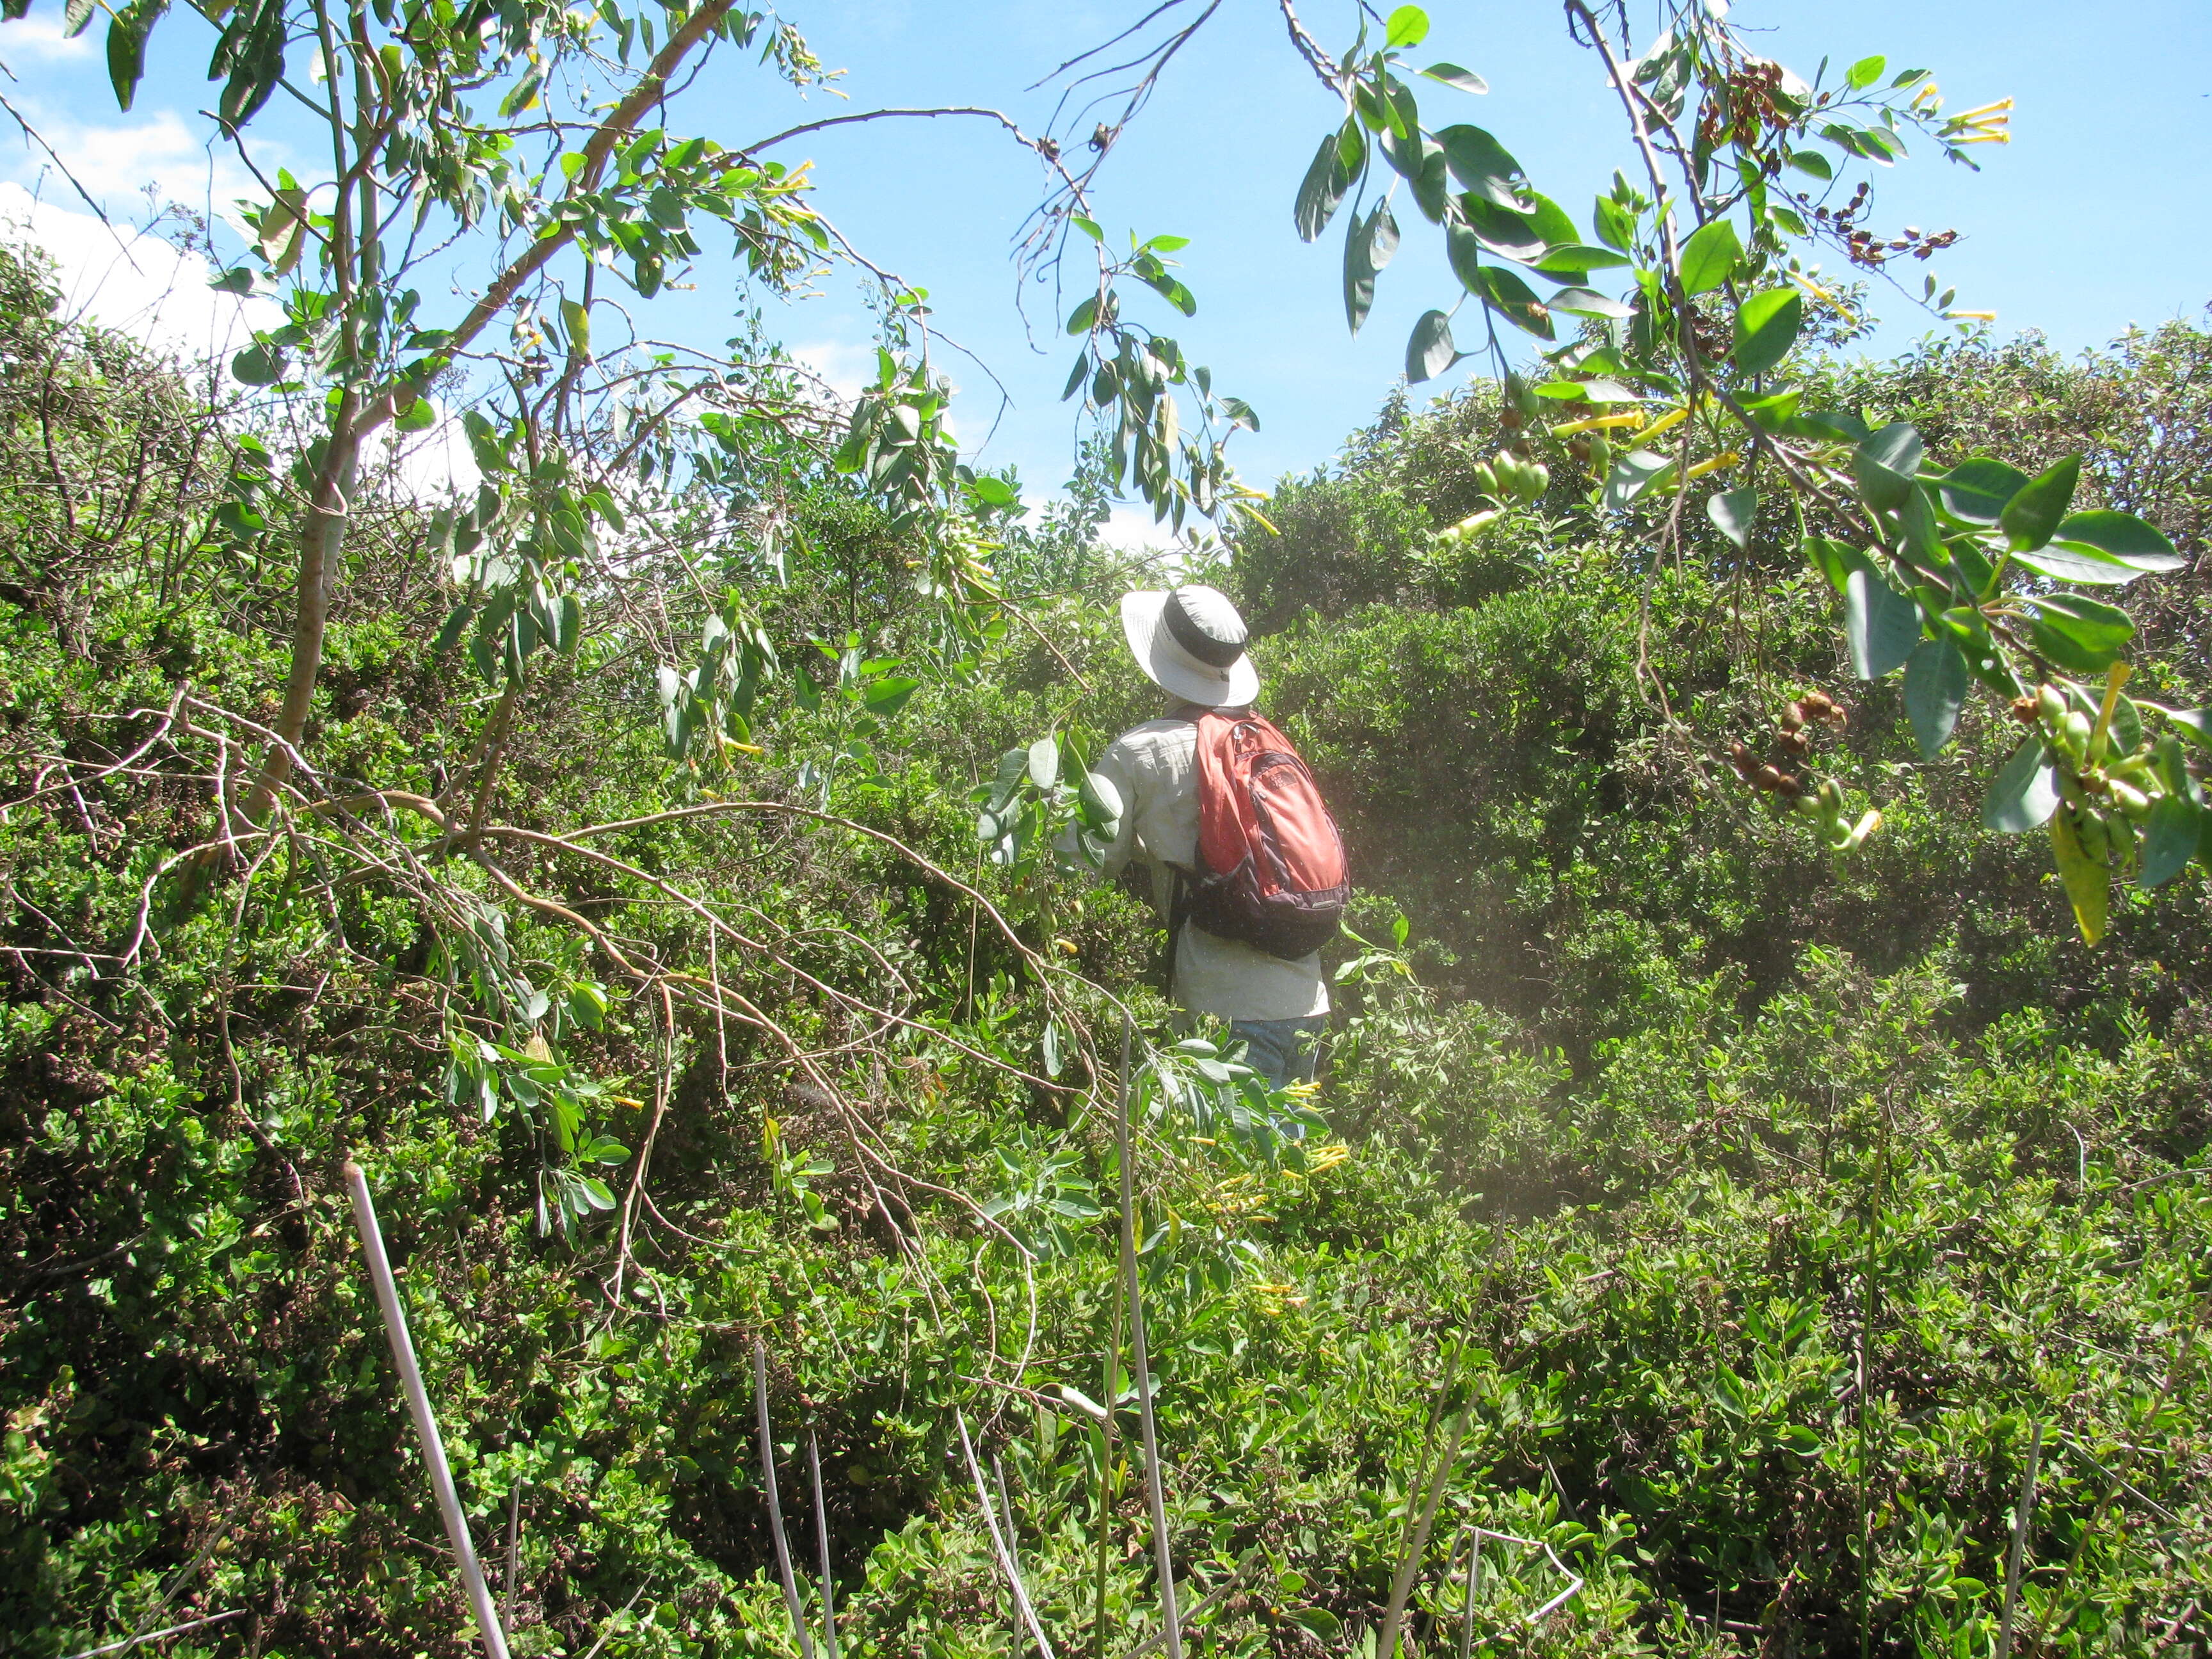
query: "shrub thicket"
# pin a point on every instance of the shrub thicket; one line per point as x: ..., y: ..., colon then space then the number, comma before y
x: 1764, y: 1200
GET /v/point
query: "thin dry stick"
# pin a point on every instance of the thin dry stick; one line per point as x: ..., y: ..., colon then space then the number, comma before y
x: 775, y: 1503
x: 662, y: 1086
x: 2020, y: 1523
x: 1204, y: 1604
x: 513, y: 1553
x: 1402, y: 1584
x: 997, y: 1542
x: 159, y: 1635
x: 1106, y: 1449
x: 426, y: 1425
x: 1170, y: 1623
x: 1473, y: 1589
x: 1013, y: 1540
x: 821, y: 1544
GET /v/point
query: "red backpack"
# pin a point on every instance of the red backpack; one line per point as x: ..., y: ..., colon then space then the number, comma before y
x: 1271, y: 869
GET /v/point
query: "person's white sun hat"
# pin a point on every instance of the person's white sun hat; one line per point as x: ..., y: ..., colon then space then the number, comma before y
x: 1190, y: 641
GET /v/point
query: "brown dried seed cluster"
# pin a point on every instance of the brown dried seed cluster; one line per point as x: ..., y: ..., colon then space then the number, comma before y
x: 1793, y: 738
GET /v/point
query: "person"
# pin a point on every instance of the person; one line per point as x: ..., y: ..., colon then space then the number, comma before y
x: 1190, y: 641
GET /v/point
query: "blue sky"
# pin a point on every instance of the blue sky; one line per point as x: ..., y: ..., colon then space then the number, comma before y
x: 2089, y: 221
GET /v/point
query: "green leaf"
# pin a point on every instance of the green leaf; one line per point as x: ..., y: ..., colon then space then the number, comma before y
x: 1587, y: 302
x: 885, y: 697
x: 1633, y: 475
x: 2079, y: 634
x: 1977, y: 489
x: 1484, y: 166
x: 1408, y: 26
x: 1710, y: 257
x: 2079, y: 563
x: 1101, y: 802
x: 1881, y: 624
x: 2023, y: 794
x: 1868, y: 70
x: 2122, y: 536
x: 1171, y: 289
x: 2032, y: 516
x: 2088, y: 881
x: 1812, y: 162
x: 1514, y: 300
x: 1452, y: 75
x: 1935, y: 691
x: 1080, y: 319
x: 1573, y: 261
x: 1885, y: 465
x: 2170, y: 840
x: 1430, y: 351
x: 1507, y: 232
x: 2195, y: 724
x: 457, y: 622
x: 1044, y: 761
x: 1368, y: 245
x: 1732, y: 515
x: 1614, y: 225
x: 260, y: 364
x: 1322, y: 190
x: 577, y: 319
x: 1766, y: 327
x: 126, y: 47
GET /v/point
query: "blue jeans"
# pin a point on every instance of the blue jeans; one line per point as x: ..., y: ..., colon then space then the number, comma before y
x: 1281, y: 1050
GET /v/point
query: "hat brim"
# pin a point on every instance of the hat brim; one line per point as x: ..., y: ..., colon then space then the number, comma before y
x: 1173, y: 669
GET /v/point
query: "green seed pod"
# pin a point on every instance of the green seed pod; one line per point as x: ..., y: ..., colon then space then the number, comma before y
x: 2096, y: 839
x: 2075, y: 734
x: 2070, y: 790
x: 2130, y: 799
x: 1866, y: 826
x: 2051, y: 706
x: 1600, y: 455
x: 2122, y: 832
x: 1486, y: 478
x: 1831, y: 795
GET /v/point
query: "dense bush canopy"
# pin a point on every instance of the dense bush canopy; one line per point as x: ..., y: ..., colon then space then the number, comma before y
x: 1726, y: 1216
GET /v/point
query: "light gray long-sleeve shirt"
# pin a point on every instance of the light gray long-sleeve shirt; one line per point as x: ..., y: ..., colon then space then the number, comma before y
x: 1155, y: 767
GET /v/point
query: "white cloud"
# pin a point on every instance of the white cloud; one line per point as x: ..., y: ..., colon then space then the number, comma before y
x: 843, y: 369
x: 158, y: 154
x: 432, y: 465
x: 132, y: 281
x: 39, y: 35
x: 1132, y: 530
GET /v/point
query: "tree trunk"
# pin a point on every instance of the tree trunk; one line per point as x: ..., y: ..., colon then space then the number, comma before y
x: 322, y: 539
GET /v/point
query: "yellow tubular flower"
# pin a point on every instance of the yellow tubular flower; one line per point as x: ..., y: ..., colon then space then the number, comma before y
x: 1666, y: 423
x: 1712, y: 463
x: 1599, y: 423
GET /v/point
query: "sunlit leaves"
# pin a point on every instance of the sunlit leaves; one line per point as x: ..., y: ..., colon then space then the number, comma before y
x: 1881, y: 625
x: 1766, y: 327
x: 1323, y: 188
x: 1710, y: 257
x: 2031, y: 518
x: 1429, y: 350
x: 1733, y: 514
x: 1935, y: 681
x: 2023, y: 793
